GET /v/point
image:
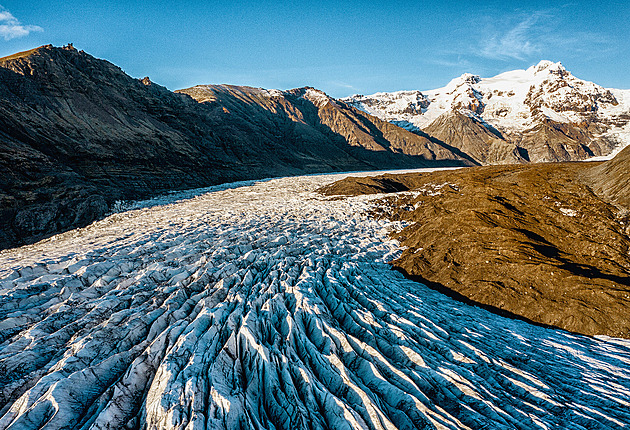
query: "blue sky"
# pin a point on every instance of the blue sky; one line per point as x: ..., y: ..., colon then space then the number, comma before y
x: 341, y: 47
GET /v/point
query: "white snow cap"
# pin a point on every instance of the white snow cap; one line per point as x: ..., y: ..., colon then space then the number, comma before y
x: 317, y: 97
x: 466, y: 78
x: 505, y: 101
x: 549, y: 66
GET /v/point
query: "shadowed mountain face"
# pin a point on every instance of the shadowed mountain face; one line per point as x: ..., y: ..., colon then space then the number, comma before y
x: 306, y: 117
x: 77, y: 134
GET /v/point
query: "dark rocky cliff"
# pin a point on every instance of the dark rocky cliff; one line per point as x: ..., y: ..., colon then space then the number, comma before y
x: 77, y: 134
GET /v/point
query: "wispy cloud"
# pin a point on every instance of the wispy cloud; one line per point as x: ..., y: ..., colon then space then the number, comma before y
x: 344, y: 85
x: 458, y: 62
x: 12, y: 28
x: 531, y: 34
x: 519, y: 42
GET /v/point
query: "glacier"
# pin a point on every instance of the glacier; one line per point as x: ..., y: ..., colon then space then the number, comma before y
x: 265, y: 305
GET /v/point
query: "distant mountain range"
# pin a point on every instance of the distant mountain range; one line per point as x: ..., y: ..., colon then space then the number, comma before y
x: 540, y: 114
x: 77, y: 134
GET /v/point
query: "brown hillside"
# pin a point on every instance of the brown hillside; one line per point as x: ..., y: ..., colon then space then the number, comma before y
x: 531, y: 241
x: 612, y: 179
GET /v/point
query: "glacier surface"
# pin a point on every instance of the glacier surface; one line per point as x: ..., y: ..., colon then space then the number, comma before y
x: 269, y: 306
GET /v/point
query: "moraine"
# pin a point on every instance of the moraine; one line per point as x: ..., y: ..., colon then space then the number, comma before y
x: 270, y: 306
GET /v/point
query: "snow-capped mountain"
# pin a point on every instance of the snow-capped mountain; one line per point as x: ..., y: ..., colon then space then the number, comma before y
x: 545, y: 112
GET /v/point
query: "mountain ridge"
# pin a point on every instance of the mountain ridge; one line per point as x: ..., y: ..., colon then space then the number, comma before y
x: 78, y: 134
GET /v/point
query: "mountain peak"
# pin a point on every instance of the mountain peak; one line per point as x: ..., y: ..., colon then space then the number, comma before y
x: 549, y: 66
x: 465, y: 79
x: 469, y: 78
x: 315, y: 96
x: 589, y: 120
x: 50, y: 62
x: 40, y: 50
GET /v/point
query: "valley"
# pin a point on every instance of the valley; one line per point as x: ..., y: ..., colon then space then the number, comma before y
x: 231, y: 257
x: 78, y: 134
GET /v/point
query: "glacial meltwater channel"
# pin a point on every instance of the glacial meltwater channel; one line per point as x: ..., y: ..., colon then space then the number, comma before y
x: 269, y: 306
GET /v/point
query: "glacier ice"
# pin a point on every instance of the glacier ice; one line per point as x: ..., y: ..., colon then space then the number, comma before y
x: 270, y: 306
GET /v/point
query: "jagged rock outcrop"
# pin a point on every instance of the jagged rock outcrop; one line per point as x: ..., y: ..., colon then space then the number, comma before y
x: 544, y: 111
x: 77, y: 134
x: 551, y: 141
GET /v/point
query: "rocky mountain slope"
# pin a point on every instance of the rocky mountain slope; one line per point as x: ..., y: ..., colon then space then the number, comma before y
x: 308, y: 116
x: 532, y: 241
x: 540, y: 114
x: 77, y: 134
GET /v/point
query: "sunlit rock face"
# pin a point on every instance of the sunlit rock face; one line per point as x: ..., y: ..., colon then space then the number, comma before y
x: 269, y: 306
